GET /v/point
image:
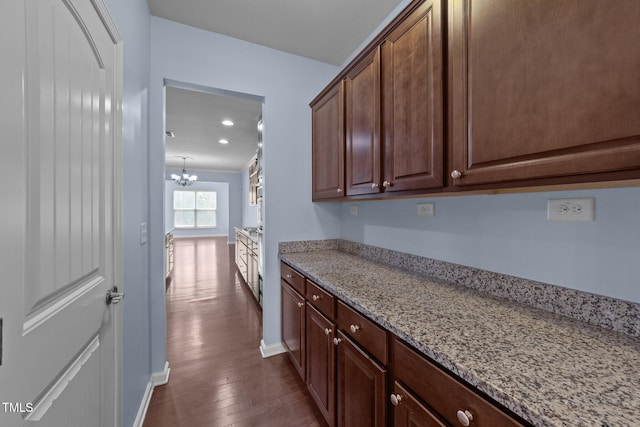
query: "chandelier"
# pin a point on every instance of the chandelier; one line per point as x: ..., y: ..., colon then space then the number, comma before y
x: 185, y: 179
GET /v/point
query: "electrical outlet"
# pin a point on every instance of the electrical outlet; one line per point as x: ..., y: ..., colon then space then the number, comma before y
x: 426, y: 209
x: 571, y: 209
x: 354, y: 210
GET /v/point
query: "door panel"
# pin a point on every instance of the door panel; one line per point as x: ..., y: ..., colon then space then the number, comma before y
x: 62, y: 223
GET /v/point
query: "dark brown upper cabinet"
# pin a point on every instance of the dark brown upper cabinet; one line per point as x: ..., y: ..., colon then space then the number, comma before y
x: 543, y: 90
x: 328, y: 144
x: 362, y: 125
x: 394, y: 108
x: 412, y: 101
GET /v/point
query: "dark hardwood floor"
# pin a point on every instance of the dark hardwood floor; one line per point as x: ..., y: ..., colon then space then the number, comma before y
x: 218, y: 377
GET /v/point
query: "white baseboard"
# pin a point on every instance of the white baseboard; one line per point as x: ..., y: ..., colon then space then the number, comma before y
x: 157, y: 378
x: 271, y: 350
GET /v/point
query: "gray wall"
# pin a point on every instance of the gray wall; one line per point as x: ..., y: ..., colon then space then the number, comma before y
x: 132, y: 19
x: 286, y: 83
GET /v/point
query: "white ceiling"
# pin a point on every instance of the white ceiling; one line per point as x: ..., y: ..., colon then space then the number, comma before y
x: 325, y: 30
x: 196, y: 120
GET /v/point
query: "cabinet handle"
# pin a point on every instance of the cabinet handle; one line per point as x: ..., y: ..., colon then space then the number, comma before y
x: 465, y: 417
x: 456, y: 174
x: 327, y: 331
x: 395, y: 399
x: 354, y: 328
x: 339, y: 190
x: 374, y: 185
x: 316, y: 297
x: 300, y: 304
x: 386, y: 184
x: 337, y: 341
x: 289, y: 276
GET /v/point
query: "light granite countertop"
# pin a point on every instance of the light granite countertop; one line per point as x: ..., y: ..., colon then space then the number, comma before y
x: 549, y: 369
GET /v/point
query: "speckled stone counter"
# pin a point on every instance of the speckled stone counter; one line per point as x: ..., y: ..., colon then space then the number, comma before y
x: 550, y: 369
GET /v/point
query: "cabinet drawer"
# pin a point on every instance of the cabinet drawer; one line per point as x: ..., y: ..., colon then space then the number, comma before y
x: 366, y: 333
x: 321, y: 299
x: 292, y: 277
x: 444, y: 393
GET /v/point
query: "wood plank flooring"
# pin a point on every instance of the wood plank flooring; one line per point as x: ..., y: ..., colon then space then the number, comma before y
x: 218, y: 377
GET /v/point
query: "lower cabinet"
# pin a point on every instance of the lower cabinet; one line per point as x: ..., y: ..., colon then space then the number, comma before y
x: 321, y: 362
x: 361, y: 386
x: 293, y: 326
x: 360, y: 375
x: 450, y: 399
x: 410, y: 412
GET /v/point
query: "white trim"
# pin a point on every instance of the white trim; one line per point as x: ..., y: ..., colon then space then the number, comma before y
x: 41, y: 317
x: 271, y: 350
x: 157, y: 379
x: 161, y: 378
x: 55, y: 390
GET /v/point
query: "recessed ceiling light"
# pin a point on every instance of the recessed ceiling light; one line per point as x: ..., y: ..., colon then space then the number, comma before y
x: 170, y: 134
x: 227, y: 122
x: 223, y: 141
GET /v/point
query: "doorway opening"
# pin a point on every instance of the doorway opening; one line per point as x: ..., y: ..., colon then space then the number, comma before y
x: 216, y: 135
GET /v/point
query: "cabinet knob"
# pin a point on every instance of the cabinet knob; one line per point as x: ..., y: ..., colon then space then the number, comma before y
x: 386, y: 184
x: 316, y: 297
x: 337, y: 341
x: 464, y: 417
x: 395, y: 399
x: 289, y: 276
x: 354, y: 328
x: 339, y: 190
x: 456, y: 174
x: 327, y: 331
x: 300, y: 304
x: 374, y: 185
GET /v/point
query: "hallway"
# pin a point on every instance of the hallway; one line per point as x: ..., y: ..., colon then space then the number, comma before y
x: 218, y: 377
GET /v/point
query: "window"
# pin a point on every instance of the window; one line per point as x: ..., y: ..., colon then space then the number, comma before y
x: 194, y: 209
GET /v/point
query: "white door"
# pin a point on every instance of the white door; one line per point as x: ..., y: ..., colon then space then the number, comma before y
x: 60, y: 117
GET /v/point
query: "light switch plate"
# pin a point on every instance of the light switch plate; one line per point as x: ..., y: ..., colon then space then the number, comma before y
x: 143, y: 233
x: 353, y: 210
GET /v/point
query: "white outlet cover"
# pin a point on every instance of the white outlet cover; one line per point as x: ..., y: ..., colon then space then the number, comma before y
x: 582, y: 209
x: 353, y: 210
x: 426, y: 209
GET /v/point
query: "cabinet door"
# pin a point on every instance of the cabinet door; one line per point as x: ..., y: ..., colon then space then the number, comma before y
x: 361, y: 387
x: 321, y: 362
x: 409, y: 412
x: 293, y: 326
x: 412, y: 75
x: 328, y: 144
x: 544, y: 90
x: 362, y: 125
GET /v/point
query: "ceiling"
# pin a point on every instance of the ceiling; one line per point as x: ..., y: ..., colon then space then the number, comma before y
x: 324, y: 30
x: 196, y: 118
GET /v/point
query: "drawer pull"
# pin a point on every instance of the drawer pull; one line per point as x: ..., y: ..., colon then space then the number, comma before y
x: 300, y: 304
x: 337, y: 341
x: 354, y: 328
x: 327, y: 331
x: 289, y: 276
x: 465, y: 417
x: 395, y: 399
x: 316, y: 297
